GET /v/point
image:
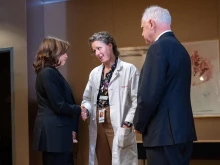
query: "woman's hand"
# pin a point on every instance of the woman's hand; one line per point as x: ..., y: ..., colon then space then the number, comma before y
x: 74, y: 137
x: 125, y: 126
x: 84, y: 113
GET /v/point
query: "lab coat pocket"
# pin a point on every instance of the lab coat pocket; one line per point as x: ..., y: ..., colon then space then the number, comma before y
x: 126, y: 137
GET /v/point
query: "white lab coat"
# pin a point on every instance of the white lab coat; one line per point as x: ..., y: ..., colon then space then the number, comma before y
x: 122, y: 92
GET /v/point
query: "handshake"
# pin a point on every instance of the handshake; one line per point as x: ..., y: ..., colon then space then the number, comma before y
x: 84, y: 113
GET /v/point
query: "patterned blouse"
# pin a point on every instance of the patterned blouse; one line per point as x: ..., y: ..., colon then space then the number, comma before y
x: 103, y: 101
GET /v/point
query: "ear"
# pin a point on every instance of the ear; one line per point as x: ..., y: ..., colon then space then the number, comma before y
x: 110, y: 45
x: 152, y: 24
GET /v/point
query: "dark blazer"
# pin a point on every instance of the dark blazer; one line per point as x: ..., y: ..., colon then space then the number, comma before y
x: 164, y: 114
x: 57, y: 114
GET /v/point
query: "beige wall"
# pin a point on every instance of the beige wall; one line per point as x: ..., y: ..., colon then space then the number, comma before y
x: 13, y: 34
x: 35, y: 34
x: 56, y: 24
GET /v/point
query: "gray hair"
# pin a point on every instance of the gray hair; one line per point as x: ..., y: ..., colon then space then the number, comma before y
x: 106, y: 38
x: 158, y: 14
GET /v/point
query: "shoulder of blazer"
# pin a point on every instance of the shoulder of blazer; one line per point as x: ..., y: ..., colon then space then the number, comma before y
x: 166, y: 35
x: 164, y: 41
x: 48, y: 71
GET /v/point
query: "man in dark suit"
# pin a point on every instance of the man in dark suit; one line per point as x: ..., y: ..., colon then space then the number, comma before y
x: 164, y: 114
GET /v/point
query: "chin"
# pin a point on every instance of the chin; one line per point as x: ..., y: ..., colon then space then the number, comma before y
x: 148, y: 42
x: 102, y: 61
x: 105, y: 62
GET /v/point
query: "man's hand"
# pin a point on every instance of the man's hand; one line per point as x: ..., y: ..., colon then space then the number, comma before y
x: 137, y: 131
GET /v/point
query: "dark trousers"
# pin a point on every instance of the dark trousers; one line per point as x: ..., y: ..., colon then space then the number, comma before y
x: 54, y: 158
x: 178, y: 154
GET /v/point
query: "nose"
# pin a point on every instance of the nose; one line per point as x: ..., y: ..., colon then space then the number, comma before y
x: 97, y: 52
x: 66, y: 55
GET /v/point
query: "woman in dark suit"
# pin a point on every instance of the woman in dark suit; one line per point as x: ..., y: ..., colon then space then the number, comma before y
x: 57, y: 117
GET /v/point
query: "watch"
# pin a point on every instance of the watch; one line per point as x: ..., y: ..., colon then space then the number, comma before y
x: 127, y: 123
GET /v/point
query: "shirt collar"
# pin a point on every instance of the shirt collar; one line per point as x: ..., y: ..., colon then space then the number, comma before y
x: 162, y: 34
x: 113, y: 65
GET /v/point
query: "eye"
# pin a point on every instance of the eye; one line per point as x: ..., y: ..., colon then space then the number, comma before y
x: 99, y: 48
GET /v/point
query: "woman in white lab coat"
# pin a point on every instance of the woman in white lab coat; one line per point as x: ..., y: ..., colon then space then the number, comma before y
x: 112, y: 90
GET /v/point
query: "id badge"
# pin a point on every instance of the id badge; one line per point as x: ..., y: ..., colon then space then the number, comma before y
x: 101, y: 115
x: 103, y: 97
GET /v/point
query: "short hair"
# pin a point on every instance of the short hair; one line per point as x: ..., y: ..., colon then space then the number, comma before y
x: 106, y: 38
x: 158, y: 14
x: 51, y: 48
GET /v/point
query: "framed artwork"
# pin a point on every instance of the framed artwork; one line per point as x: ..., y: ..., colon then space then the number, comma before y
x: 205, y: 94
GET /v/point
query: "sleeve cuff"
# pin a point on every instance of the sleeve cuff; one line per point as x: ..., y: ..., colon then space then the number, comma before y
x: 129, y: 118
x: 140, y: 127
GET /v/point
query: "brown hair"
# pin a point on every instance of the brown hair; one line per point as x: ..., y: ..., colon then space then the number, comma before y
x: 51, y: 48
x: 106, y: 38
